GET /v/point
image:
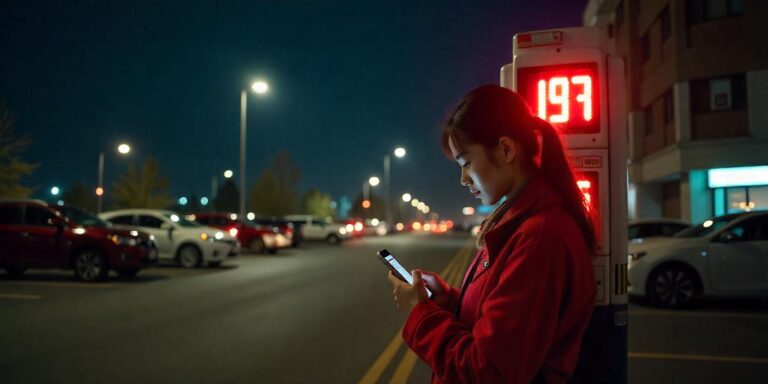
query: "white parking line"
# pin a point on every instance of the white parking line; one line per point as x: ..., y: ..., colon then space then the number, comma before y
x: 694, y: 314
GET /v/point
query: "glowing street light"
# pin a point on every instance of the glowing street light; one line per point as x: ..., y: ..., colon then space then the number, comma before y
x: 406, y: 197
x: 259, y: 87
x: 374, y: 181
x: 228, y: 173
x: 55, y: 191
x: 400, y: 152
x: 123, y: 149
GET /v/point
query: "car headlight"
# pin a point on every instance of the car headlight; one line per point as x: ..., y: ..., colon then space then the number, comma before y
x: 125, y: 241
x: 342, y: 231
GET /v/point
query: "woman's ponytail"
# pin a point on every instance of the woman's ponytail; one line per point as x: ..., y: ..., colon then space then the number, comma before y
x: 555, y: 168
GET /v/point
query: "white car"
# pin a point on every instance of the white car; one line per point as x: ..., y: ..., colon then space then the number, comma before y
x: 177, y: 238
x: 647, y: 228
x: 724, y: 256
x: 315, y: 228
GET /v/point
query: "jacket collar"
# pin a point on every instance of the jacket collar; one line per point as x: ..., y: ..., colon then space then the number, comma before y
x: 535, y: 196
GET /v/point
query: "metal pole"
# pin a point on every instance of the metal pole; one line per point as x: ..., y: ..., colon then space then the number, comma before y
x: 213, y: 188
x: 387, y: 199
x: 243, y: 104
x: 99, y: 198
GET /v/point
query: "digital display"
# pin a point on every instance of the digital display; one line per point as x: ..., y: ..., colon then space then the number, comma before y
x: 589, y: 186
x: 564, y: 95
x: 402, y: 271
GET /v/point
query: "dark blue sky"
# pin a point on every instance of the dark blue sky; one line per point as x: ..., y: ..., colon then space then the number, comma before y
x: 349, y: 81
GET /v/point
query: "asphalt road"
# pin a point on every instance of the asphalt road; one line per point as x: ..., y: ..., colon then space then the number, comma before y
x: 318, y: 314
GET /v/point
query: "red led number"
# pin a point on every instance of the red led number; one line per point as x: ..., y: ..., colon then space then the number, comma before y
x: 557, y: 94
x: 564, y: 95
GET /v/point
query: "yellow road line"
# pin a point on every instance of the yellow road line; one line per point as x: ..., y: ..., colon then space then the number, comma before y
x: 718, y: 359
x: 383, y: 360
x: 19, y: 297
x: 405, y: 367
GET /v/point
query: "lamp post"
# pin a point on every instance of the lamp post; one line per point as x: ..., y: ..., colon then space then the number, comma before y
x: 260, y: 87
x: 399, y: 153
x: 123, y: 149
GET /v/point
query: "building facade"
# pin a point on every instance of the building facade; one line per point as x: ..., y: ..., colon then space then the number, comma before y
x: 697, y: 102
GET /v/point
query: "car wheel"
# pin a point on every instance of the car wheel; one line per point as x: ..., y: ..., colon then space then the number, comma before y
x: 333, y: 239
x: 673, y: 286
x: 256, y: 246
x: 90, y: 265
x: 129, y: 272
x: 14, y: 271
x: 189, y: 256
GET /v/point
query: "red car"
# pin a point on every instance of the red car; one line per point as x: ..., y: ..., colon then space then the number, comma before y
x: 35, y: 234
x: 256, y: 238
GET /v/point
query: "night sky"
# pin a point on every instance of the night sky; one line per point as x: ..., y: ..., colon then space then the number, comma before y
x: 349, y: 82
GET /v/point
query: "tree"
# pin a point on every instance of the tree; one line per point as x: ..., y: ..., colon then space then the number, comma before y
x: 144, y: 188
x: 275, y: 192
x: 12, y: 168
x: 227, y: 197
x: 317, y: 203
x: 79, y: 195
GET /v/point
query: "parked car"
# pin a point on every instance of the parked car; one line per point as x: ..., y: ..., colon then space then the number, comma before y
x: 723, y: 256
x: 647, y: 228
x: 187, y: 242
x: 288, y: 229
x: 254, y: 237
x: 35, y: 234
x: 315, y: 228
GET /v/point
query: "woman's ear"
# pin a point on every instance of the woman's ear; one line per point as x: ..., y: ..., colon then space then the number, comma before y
x: 506, y: 149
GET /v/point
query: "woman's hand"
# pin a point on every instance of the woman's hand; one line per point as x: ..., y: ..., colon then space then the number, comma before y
x: 408, y: 296
x: 441, y: 291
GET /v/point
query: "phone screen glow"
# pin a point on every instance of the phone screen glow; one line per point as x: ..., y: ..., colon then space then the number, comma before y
x: 405, y: 274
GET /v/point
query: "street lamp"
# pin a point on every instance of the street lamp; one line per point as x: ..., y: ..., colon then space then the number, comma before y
x: 260, y: 87
x: 399, y: 153
x: 406, y: 197
x: 123, y: 149
x: 372, y: 182
x: 55, y: 191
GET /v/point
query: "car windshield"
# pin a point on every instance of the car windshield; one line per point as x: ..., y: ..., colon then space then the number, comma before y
x: 706, y: 227
x: 80, y: 217
x: 180, y: 220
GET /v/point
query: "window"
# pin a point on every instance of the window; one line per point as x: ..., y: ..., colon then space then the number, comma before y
x: 150, y: 222
x: 649, y: 120
x: 645, y: 48
x: 742, y: 199
x: 38, y: 216
x: 719, y: 94
x: 122, y: 220
x: 666, y: 25
x: 754, y: 229
x: 10, y: 214
x: 700, y: 11
x: 669, y: 108
x: 671, y: 229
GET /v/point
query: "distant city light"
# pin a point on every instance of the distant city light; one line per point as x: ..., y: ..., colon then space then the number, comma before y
x: 251, y: 216
x: 415, y: 202
x: 203, y: 201
x: 233, y: 216
x: 228, y: 173
x: 99, y: 191
x: 374, y: 181
x: 399, y: 227
x: 55, y: 191
x: 334, y: 205
x: 366, y: 204
x: 374, y: 222
x: 406, y: 197
x: 468, y: 211
x: 183, y: 200
x: 399, y: 151
x: 260, y: 86
x: 124, y: 148
x: 60, y: 202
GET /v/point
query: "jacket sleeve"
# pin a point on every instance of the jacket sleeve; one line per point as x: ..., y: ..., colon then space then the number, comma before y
x: 515, y: 328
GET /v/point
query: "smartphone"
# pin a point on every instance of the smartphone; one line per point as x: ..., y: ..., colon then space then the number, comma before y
x: 396, y: 268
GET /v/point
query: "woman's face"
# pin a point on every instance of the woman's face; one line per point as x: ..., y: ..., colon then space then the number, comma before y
x: 486, y: 180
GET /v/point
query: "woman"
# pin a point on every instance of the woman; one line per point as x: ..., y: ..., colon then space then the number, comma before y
x: 529, y: 293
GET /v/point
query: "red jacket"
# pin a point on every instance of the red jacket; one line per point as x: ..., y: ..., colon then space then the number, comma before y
x: 526, y: 309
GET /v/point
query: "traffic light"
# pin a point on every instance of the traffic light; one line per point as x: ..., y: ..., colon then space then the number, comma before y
x: 564, y: 77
